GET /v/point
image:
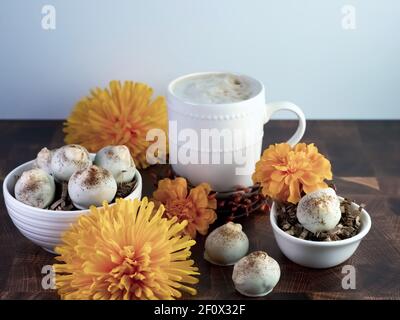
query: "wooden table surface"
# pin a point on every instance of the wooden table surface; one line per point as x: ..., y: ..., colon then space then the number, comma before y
x: 365, y: 156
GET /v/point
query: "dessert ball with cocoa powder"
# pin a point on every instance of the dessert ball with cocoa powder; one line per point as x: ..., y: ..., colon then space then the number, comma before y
x: 67, y: 160
x: 36, y: 188
x: 226, y: 245
x: 117, y: 160
x: 256, y: 274
x: 91, y: 186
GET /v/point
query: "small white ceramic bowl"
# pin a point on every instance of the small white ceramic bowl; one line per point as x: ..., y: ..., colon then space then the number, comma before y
x: 41, y: 226
x: 319, y: 254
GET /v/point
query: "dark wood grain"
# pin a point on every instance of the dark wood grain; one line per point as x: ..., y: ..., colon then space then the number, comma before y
x: 366, y: 160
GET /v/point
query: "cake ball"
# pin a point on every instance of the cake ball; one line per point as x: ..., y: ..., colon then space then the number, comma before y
x: 91, y: 186
x: 43, y: 160
x: 68, y: 159
x: 36, y: 188
x: 226, y: 244
x: 319, y: 211
x: 256, y: 275
x: 117, y: 160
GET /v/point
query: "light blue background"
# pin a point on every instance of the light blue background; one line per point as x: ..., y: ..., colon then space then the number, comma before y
x: 297, y: 48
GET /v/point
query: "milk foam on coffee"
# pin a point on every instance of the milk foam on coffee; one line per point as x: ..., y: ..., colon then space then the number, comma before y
x: 214, y: 88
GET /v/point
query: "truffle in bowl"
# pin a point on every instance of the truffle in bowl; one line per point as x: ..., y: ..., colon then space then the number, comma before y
x: 44, y: 227
x: 309, y: 251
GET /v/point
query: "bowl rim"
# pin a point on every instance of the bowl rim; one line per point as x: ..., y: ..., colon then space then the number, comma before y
x: 365, y: 227
x: 8, y: 197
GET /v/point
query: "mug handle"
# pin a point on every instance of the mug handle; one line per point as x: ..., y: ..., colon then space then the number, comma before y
x: 273, y: 107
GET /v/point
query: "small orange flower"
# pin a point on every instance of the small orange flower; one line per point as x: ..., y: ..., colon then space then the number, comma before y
x: 284, y: 172
x: 196, y: 206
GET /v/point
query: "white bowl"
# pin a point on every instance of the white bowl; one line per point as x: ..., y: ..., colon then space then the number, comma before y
x: 319, y: 254
x: 41, y: 226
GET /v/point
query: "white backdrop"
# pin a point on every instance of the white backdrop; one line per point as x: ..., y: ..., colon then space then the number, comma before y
x: 334, y: 58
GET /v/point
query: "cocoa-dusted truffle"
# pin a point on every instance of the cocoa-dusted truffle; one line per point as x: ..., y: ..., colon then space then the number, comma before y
x: 256, y: 274
x: 226, y: 244
x: 91, y: 186
x: 43, y: 160
x: 68, y: 159
x: 319, y: 211
x: 117, y: 160
x: 36, y: 188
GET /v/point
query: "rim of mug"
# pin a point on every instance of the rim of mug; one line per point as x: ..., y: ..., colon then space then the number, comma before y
x: 194, y: 74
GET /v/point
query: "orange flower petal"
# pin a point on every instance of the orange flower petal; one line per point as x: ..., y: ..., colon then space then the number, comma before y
x: 294, y: 191
x: 277, y: 176
x: 310, y: 178
x: 199, y: 197
x: 170, y: 189
x: 276, y: 187
x: 300, y: 147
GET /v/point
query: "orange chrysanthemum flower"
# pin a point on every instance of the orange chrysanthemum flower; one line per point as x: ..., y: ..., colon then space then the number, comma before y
x: 125, y: 251
x: 121, y: 115
x: 285, y: 172
x: 195, y: 206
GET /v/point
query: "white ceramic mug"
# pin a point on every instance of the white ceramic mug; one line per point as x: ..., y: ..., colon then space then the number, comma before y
x: 198, y: 161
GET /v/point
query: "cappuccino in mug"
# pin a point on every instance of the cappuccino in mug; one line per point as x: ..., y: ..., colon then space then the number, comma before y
x: 214, y: 88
